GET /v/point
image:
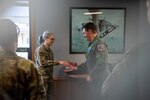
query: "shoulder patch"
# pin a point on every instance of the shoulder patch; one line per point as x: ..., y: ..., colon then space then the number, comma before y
x: 101, y: 47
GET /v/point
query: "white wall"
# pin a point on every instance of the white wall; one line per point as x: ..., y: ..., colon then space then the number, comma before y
x: 53, y: 15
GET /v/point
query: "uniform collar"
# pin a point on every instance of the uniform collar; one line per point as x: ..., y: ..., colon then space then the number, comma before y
x: 95, y: 38
x: 3, y: 51
x: 47, y: 49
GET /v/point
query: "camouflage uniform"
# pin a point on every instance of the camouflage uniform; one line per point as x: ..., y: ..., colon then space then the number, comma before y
x: 44, y: 59
x: 18, y: 77
x: 96, y: 65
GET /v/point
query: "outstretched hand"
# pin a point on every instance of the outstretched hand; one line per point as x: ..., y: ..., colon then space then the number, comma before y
x: 64, y: 63
x: 71, y: 68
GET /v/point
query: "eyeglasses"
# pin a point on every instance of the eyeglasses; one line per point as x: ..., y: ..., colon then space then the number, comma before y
x: 53, y: 39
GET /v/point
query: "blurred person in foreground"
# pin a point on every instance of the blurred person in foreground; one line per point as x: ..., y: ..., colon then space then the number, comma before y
x: 44, y: 59
x: 95, y: 67
x: 18, y: 76
x: 130, y: 78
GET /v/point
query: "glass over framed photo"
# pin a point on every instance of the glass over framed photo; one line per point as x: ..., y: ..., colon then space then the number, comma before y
x: 110, y: 24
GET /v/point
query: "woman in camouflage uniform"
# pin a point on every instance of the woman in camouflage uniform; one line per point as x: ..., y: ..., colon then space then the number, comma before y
x: 44, y: 59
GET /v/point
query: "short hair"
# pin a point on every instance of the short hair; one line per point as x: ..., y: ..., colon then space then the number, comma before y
x: 8, y: 32
x: 90, y: 26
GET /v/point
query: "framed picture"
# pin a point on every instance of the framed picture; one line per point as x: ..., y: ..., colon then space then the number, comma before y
x: 110, y: 23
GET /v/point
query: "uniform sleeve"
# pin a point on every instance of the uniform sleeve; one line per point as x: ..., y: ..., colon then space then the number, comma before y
x: 43, y: 61
x: 101, y: 58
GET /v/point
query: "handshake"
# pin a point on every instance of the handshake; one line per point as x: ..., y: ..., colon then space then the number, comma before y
x: 69, y: 66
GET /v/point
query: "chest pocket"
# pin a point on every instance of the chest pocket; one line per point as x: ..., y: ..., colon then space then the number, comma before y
x: 49, y: 55
x: 90, y: 52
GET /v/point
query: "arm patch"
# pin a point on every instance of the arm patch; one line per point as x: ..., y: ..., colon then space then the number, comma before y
x: 101, y: 47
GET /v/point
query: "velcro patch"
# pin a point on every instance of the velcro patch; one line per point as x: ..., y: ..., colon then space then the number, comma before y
x: 101, y: 47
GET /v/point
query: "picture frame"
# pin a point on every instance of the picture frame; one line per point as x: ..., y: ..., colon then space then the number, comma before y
x: 110, y: 23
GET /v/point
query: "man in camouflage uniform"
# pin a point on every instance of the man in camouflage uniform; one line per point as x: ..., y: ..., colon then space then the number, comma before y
x: 96, y: 61
x: 18, y: 76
